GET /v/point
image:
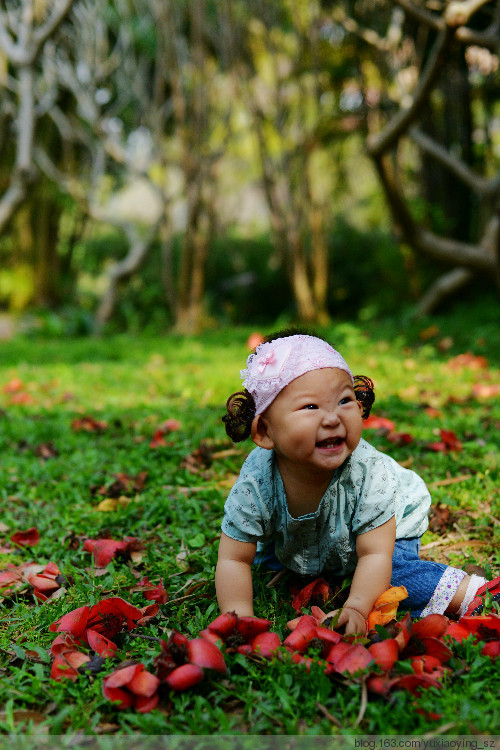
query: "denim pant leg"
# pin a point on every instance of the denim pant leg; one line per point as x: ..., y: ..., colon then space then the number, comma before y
x: 266, y: 557
x: 423, y: 579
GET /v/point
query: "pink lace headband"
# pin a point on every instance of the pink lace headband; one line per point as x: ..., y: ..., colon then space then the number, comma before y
x: 275, y: 364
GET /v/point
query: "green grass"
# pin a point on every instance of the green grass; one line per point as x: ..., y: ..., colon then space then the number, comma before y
x: 134, y: 385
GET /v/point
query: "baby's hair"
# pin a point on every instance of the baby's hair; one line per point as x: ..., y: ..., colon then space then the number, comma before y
x: 365, y: 393
x: 240, y: 412
x: 240, y: 406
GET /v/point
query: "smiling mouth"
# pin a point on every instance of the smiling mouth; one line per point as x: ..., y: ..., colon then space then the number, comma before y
x: 330, y: 443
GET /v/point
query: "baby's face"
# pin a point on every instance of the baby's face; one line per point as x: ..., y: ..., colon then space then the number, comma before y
x: 315, y: 422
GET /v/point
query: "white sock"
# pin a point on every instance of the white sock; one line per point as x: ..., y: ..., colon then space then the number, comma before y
x: 475, y: 583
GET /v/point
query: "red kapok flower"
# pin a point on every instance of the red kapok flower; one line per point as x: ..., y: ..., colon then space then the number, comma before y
x: 181, y: 661
x: 374, y: 422
x: 65, y: 665
x: 449, y: 442
x: 316, y: 590
x: 47, y: 582
x: 153, y: 593
x: 236, y: 631
x: 104, y: 550
x: 132, y: 687
x: 107, y: 618
x: 27, y: 538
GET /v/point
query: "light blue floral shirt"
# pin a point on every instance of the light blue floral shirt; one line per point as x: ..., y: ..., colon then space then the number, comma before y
x: 365, y: 492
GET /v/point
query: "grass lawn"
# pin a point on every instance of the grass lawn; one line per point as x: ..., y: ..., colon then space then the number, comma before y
x: 62, y: 480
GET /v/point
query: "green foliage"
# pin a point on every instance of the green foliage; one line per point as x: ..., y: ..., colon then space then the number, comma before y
x: 134, y: 384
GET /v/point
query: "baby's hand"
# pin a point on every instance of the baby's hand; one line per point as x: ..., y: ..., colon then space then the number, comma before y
x: 352, y: 621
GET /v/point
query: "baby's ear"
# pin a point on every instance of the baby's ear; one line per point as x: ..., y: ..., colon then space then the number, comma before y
x: 260, y: 434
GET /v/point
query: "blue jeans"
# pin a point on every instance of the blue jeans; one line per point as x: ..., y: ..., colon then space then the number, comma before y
x: 419, y: 577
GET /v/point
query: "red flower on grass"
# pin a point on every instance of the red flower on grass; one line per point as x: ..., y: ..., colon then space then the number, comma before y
x: 483, y: 628
x: 88, y: 424
x: 239, y: 633
x: 66, y: 664
x: 132, y: 686
x: 374, y: 422
x: 27, y: 538
x: 170, y: 425
x: 181, y: 662
x: 107, y: 618
x: 47, y: 582
x: 318, y: 590
x: 153, y: 593
x: 104, y: 550
x: 449, y: 442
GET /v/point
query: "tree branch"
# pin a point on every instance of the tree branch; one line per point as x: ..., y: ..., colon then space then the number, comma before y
x: 59, y: 13
x: 474, y: 257
x: 381, y: 142
x: 12, y: 51
x: 443, y: 287
x: 419, y: 14
x: 481, y: 185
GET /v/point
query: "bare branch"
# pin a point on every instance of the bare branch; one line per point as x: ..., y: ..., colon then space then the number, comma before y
x: 455, y: 252
x: 59, y: 13
x: 481, y: 185
x: 401, y: 121
x: 474, y: 257
x: 488, y: 39
x: 11, y: 200
x: 419, y: 14
x: 8, y: 45
x: 442, y: 288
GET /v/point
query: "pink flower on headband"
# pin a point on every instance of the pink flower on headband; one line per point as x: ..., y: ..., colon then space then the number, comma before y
x: 276, y: 363
x: 263, y: 362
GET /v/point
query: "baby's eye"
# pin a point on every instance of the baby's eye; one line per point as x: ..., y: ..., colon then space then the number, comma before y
x: 310, y: 406
x: 346, y: 400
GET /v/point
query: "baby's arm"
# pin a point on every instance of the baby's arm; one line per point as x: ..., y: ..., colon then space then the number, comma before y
x: 371, y: 577
x: 233, y: 576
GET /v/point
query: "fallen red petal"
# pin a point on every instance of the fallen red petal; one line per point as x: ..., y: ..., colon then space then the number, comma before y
x: 457, y: 632
x: 318, y: 588
x: 74, y: 622
x: 185, y: 676
x: 143, y: 683
x: 122, y: 676
x: 337, y: 652
x: 431, y: 626
x: 416, y: 683
x: 378, y: 423
x: 144, y: 705
x: 492, y: 649
x: 27, y: 538
x: 249, y: 627
x: 224, y: 624
x: 100, y: 644
x: 65, y: 666
x: 300, y: 638
x: 356, y: 658
x: 385, y: 653
x: 117, y: 695
x: 266, y: 644
x: 205, y: 654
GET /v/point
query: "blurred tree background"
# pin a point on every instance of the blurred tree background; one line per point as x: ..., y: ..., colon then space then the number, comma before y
x: 184, y: 163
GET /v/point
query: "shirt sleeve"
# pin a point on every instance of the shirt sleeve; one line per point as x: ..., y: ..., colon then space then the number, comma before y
x: 245, y: 512
x: 377, y: 499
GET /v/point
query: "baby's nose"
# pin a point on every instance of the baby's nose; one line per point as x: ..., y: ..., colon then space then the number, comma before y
x: 331, y: 417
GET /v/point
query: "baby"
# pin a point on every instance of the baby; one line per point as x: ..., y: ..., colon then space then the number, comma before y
x: 323, y: 497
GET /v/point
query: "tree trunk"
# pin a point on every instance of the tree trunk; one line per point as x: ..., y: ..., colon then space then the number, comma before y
x: 45, y: 216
